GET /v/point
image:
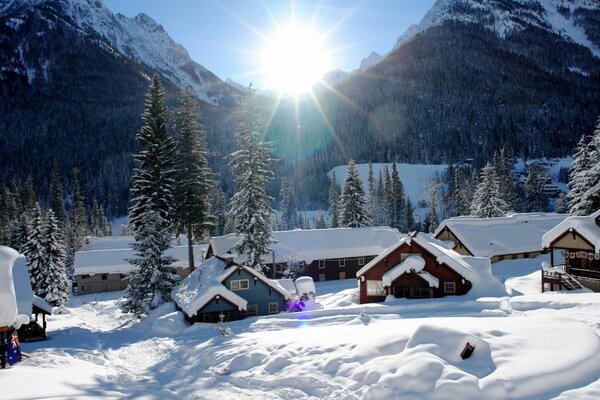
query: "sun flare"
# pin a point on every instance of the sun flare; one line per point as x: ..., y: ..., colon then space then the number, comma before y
x: 294, y: 58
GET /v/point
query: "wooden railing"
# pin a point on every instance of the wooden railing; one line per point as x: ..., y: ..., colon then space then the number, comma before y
x: 585, y: 273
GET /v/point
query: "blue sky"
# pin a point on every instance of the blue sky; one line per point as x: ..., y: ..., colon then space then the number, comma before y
x: 225, y: 36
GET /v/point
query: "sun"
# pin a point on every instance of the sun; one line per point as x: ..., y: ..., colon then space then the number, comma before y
x: 294, y: 58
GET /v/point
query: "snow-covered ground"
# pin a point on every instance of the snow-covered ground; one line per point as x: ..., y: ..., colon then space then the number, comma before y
x: 527, y: 345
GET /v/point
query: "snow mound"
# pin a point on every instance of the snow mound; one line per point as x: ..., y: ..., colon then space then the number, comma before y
x: 164, y: 321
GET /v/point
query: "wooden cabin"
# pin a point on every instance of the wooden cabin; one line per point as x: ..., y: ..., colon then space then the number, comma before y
x: 221, y: 286
x: 322, y: 254
x: 502, y: 238
x: 418, y: 266
x: 578, y: 240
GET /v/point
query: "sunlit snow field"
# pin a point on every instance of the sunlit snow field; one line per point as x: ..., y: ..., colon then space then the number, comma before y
x: 528, y: 345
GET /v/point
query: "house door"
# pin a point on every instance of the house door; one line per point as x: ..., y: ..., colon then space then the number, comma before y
x: 321, y: 277
x: 342, y: 275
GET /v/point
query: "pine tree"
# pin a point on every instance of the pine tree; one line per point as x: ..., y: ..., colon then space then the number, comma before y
x: 462, y: 203
x: 218, y: 209
x: 389, y: 198
x: 352, y: 202
x: 590, y: 201
x: 193, y: 176
x: 28, y: 196
x: 410, y: 218
x: 8, y: 214
x: 151, y: 283
x: 561, y: 206
x: 320, y: 221
x: 154, y: 176
x: 398, y: 205
x: 486, y: 201
x: 578, y: 182
x: 53, y: 279
x: 504, y: 167
x: 78, y: 223
x: 380, y: 202
x: 534, y: 188
x: 372, y: 197
x: 431, y: 220
x: 57, y: 203
x: 334, y: 198
x: 289, y: 212
x: 250, y: 205
x: 34, y: 250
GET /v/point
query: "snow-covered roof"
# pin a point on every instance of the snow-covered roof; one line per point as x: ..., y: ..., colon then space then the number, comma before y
x: 287, y: 284
x: 315, y: 244
x: 515, y: 233
x: 411, y: 263
x: 432, y: 280
x: 114, y: 261
x: 203, y: 284
x: 584, y: 225
x: 41, y: 304
x: 8, y: 301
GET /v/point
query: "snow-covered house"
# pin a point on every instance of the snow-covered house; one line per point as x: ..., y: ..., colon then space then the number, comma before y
x: 510, y: 237
x: 323, y: 254
x: 578, y: 238
x: 221, y: 286
x: 419, y: 266
x: 104, y: 269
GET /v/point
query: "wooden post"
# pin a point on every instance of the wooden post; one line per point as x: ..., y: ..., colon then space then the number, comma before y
x: 2, y: 348
x: 552, y: 256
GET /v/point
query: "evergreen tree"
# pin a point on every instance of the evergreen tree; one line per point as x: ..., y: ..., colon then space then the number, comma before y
x: 250, y: 205
x: 389, y: 209
x: 154, y: 176
x: 352, y: 202
x: 504, y: 167
x: 151, y: 283
x: 410, y: 218
x: 590, y: 200
x: 561, y: 206
x: 380, y: 201
x: 431, y: 220
x: 57, y: 202
x: 78, y: 223
x: 53, y: 279
x: 8, y: 214
x: 486, y: 201
x: 398, y: 205
x: 461, y: 200
x: 99, y: 225
x: 320, y: 221
x: 372, y: 197
x: 290, y: 219
x: 578, y: 179
x: 193, y: 176
x: 28, y: 196
x: 218, y: 209
x: 34, y: 251
x: 151, y: 214
x: 334, y: 198
x: 534, y: 188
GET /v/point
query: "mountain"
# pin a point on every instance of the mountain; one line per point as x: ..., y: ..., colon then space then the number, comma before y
x: 336, y: 77
x: 73, y: 77
x: 369, y: 61
x: 472, y: 77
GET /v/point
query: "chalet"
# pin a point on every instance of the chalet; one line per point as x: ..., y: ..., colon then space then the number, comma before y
x: 500, y: 238
x: 104, y: 270
x: 323, y: 254
x: 221, y: 286
x: 419, y: 266
x: 578, y: 240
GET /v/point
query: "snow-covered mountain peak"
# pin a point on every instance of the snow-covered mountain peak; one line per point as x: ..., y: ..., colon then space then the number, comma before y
x: 370, y: 60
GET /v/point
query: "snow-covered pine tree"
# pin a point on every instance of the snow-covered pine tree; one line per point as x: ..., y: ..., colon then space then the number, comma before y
x: 410, y: 218
x: 504, y: 167
x: 389, y: 208
x: 52, y: 278
x: 99, y: 225
x: 398, y: 201
x: 34, y: 250
x: 460, y: 198
x: 151, y: 283
x: 8, y: 214
x: 334, y: 198
x: 371, y: 197
x: 352, y: 202
x: 380, y: 203
x: 57, y: 202
x: 578, y: 179
x: 153, y: 178
x: 218, y: 209
x: 561, y: 205
x: 250, y: 206
x: 431, y: 220
x: 486, y: 201
x: 78, y: 223
x: 320, y: 221
x: 590, y: 200
x: 287, y: 203
x: 534, y: 188
x: 193, y: 175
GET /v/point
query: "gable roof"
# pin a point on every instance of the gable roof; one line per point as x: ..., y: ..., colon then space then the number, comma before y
x: 314, y: 244
x: 489, y: 237
x: 584, y: 225
x: 206, y: 281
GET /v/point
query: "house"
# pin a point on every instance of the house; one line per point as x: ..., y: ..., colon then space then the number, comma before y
x: 105, y: 269
x: 578, y: 239
x: 323, y: 254
x: 221, y: 286
x: 419, y: 266
x: 500, y: 238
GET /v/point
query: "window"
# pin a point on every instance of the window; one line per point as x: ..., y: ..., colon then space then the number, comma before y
x: 252, y: 309
x: 375, y: 288
x: 273, y: 308
x: 321, y: 264
x: 361, y: 261
x: 104, y: 277
x: 342, y: 262
x: 449, y: 287
x: 241, y: 284
x: 419, y: 292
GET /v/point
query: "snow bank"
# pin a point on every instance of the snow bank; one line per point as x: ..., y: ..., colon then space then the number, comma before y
x: 23, y: 290
x: 8, y: 300
x: 305, y: 286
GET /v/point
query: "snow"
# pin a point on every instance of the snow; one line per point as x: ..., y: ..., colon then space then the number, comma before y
x: 585, y: 225
x: 515, y: 233
x: 315, y: 244
x: 411, y: 263
x: 416, y: 178
x: 8, y: 299
x: 305, y: 285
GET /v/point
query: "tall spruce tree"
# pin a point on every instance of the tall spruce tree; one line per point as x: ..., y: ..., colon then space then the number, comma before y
x: 410, y: 218
x: 389, y: 209
x: 371, y: 196
x: 34, y: 250
x: 578, y: 179
x: 334, y: 198
x: 53, y: 279
x: 151, y: 213
x: 534, y: 188
x: 352, y: 202
x: 504, y: 167
x: 218, y: 203
x: 486, y: 202
x: 380, y: 203
x: 398, y: 204
x: 250, y: 206
x: 78, y: 222
x: 57, y: 201
x: 590, y: 200
x: 290, y: 219
x: 193, y: 175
